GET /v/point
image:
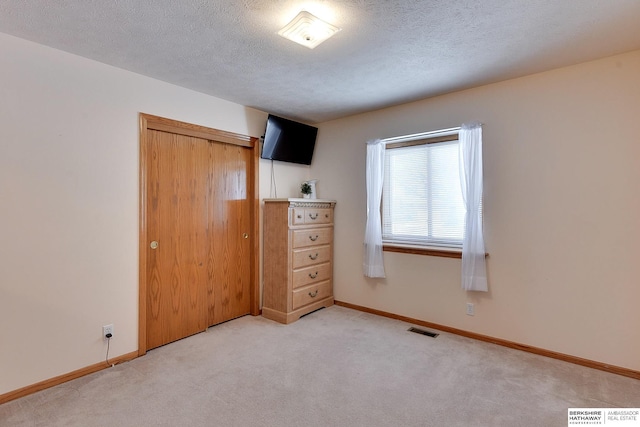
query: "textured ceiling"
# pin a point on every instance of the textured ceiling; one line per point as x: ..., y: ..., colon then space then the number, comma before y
x: 388, y: 52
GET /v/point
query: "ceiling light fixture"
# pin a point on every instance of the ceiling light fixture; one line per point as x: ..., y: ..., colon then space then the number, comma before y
x: 308, y: 30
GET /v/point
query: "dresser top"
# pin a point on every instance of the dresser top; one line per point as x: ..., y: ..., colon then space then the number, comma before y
x: 302, y: 202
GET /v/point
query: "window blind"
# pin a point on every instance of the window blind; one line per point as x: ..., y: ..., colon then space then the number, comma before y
x: 422, y: 199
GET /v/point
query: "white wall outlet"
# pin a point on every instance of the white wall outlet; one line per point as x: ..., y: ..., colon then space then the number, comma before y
x: 470, y: 309
x: 107, y: 329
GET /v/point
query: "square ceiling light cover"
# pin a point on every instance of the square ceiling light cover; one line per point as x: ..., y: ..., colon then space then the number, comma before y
x: 308, y: 30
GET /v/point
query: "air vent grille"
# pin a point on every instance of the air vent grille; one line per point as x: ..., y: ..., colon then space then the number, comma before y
x: 423, y: 332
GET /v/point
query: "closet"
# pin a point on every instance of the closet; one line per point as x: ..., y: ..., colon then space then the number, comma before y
x: 198, y: 217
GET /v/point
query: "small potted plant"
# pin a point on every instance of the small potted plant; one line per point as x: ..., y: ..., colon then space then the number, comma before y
x: 305, y: 189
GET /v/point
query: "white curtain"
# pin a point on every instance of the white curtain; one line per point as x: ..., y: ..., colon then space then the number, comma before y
x: 474, y: 270
x: 373, y: 265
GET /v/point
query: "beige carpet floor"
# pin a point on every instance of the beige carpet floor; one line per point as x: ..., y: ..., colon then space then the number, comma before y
x: 334, y: 367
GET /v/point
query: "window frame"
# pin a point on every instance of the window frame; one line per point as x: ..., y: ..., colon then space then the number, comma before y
x: 424, y: 138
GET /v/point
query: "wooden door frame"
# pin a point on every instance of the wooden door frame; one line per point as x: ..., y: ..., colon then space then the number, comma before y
x: 150, y: 122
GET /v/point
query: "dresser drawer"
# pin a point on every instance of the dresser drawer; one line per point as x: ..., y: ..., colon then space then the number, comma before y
x: 312, y: 237
x: 309, y: 294
x: 313, y: 274
x: 318, y: 216
x: 307, y: 216
x: 311, y: 256
x: 297, y: 216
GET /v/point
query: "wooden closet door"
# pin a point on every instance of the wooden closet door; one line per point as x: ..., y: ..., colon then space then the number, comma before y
x: 178, y: 173
x: 229, y: 292
x: 198, y: 229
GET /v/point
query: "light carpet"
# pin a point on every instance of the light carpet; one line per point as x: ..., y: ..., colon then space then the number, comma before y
x: 334, y: 367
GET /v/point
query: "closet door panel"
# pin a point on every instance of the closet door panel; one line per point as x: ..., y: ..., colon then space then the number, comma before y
x: 228, y: 294
x: 177, y: 227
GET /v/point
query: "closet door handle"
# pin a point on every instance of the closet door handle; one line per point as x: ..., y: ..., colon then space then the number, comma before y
x: 313, y: 295
x: 313, y: 258
x: 313, y: 276
x: 313, y: 239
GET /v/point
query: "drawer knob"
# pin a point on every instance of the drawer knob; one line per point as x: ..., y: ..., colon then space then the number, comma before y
x: 313, y: 216
x: 326, y: 215
x: 313, y: 276
x: 313, y: 257
x: 313, y: 239
x: 313, y: 294
x: 299, y: 216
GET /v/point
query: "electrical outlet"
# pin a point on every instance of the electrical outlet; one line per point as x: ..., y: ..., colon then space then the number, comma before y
x: 470, y: 309
x: 107, y: 329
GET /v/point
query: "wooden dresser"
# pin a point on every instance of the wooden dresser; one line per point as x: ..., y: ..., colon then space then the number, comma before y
x: 298, y: 257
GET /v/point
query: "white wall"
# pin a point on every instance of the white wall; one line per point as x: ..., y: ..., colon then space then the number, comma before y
x: 288, y: 177
x: 562, y: 211
x: 69, y: 161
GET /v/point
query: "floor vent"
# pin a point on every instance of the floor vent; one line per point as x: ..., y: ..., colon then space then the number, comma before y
x: 423, y: 332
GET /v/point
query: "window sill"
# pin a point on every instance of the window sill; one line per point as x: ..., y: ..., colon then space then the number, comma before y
x: 430, y: 251
x: 422, y: 250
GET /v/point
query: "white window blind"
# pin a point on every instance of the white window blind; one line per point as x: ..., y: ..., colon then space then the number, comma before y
x: 422, y: 199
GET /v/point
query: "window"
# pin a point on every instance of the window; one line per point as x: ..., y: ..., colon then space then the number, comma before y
x: 422, y: 202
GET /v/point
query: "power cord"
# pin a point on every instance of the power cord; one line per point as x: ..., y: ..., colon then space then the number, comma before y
x: 273, y: 190
x: 106, y: 359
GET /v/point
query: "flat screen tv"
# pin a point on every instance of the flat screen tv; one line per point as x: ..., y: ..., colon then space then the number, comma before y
x: 288, y: 141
